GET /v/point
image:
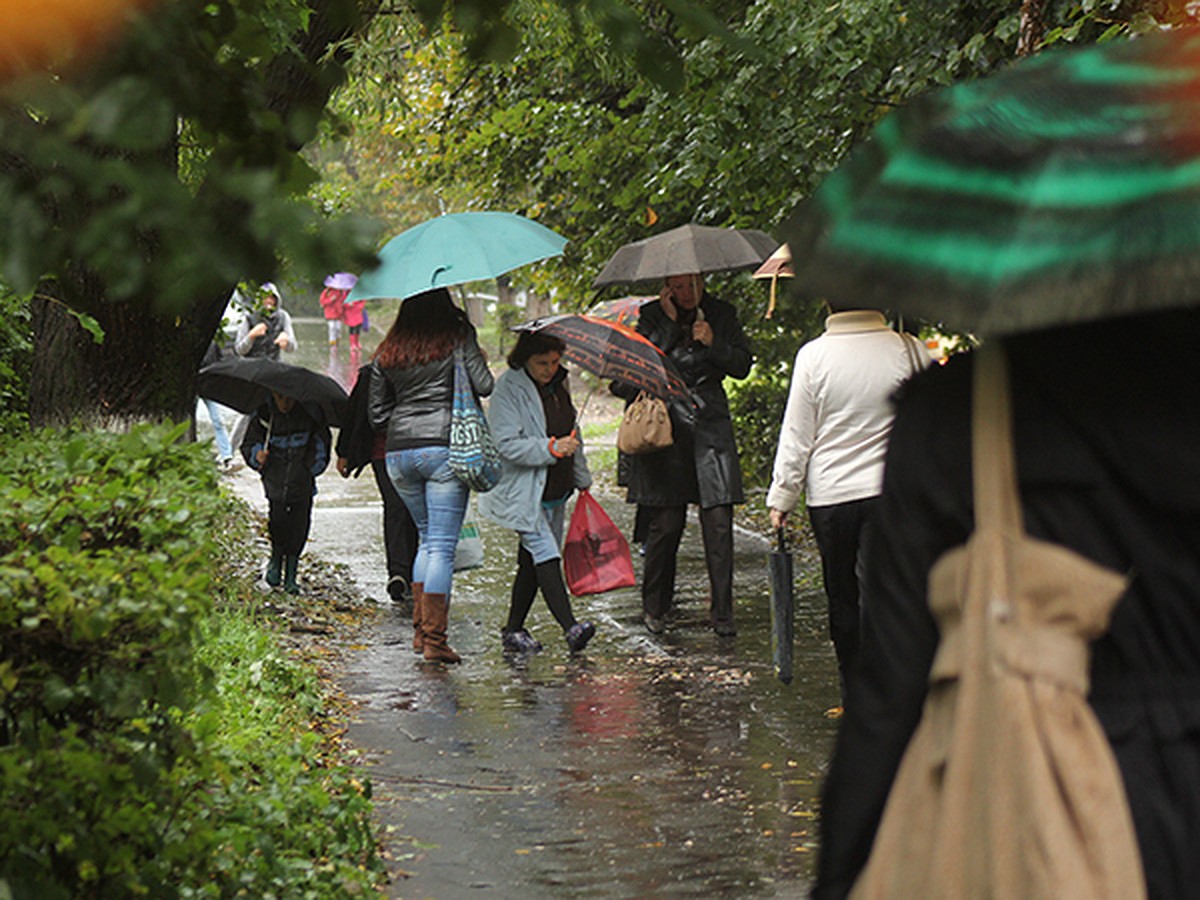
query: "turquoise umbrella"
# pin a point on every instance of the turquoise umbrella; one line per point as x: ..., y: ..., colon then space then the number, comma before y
x: 1065, y: 188
x: 455, y: 249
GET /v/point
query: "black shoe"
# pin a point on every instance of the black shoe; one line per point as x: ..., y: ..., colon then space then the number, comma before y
x: 519, y: 641
x: 400, y: 590
x: 724, y: 628
x: 578, y: 635
x: 654, y: 624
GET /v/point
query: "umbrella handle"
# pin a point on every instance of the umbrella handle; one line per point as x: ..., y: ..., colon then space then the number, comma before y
x: 781, y: 540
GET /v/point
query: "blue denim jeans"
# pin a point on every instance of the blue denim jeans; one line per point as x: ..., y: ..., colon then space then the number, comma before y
x: 220, y: 435
x: 437, y: 501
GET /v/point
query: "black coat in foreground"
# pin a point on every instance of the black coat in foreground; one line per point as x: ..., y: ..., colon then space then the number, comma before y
x: 1107, y: 433
x: 702, y: 465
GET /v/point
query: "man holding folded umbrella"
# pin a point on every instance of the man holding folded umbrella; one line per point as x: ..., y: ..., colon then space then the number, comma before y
x: 703, y: 337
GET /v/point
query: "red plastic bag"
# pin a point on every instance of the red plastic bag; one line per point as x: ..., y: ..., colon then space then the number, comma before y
x: 596, y: 555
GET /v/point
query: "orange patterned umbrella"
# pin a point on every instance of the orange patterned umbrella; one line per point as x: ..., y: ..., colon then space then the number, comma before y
x: 612, y: 350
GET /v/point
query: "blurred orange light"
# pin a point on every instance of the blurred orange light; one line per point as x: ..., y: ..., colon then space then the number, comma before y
x: 39, y: 33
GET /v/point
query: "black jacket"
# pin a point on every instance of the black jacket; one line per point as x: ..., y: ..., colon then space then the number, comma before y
x: 356, y: 438
x: 413, y: 405
x: 702, y: 465
x: 299, y: 451
x: 1106, y: 423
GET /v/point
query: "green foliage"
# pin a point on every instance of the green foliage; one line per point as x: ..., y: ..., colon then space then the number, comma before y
x: 168, y: 169
x: 132, y: 763
x: 16, y: 356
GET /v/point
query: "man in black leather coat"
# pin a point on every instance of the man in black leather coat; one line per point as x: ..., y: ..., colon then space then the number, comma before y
x: 703, y: 337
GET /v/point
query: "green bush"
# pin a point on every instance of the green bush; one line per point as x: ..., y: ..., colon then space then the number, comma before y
x: 139, y: 754
x: 16, y: 356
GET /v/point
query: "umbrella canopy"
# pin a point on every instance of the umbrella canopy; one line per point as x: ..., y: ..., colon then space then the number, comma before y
x: 612, y: 350
x: 1064, y: 189
x: 454, y: 249
x: 341, y: 281
x: 624, y: 309
x: 686, y: 250
x: 778, y: 265
x: 246, y: 384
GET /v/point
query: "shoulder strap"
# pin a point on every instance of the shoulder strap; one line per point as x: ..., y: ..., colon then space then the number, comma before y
x: 993, y: 460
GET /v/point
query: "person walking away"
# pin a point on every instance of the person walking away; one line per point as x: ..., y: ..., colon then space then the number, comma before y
x: 831, y: 449
x: 215, y: 414
x: 357, y: 445
x: 289, y: 449
x: 411, y: 395
x: 355, y: 315
x: 1104, y: 418
x: 703, y: 337
x: 267, y: 329
x: 534, y: 424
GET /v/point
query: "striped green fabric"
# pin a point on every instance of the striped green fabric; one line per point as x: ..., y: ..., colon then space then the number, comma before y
x: 1063, y: 189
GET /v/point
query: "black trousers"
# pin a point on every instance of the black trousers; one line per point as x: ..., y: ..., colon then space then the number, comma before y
x: 399, y: 530
x: 288, y: 522
x: 841, y: 531
x: 664, y: 529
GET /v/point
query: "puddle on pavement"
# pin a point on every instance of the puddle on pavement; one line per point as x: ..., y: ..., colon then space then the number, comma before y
x: 668, y: 766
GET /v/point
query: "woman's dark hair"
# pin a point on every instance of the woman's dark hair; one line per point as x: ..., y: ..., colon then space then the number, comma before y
x: 428, y: 326
x: 532, y: 343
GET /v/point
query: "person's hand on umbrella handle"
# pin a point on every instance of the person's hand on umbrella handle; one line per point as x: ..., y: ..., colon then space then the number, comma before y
x: 281, y: 341
x: 262, y: 455
x: 779, y: 517
x: 258, y: 330
x: 702, y: 333
x: 343, y: 466
x: 564, y: 446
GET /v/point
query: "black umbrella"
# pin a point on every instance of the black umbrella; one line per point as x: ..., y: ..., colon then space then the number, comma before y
x: 687, y: 250
x: 246, y: 384
x: 779, y: 567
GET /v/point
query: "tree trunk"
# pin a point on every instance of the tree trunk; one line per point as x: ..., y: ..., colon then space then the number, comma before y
x: 145, y: 367
x: 143, y: 370
x: 1032, y: 28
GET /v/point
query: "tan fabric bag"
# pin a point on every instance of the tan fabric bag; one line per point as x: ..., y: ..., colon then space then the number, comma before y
x: 646, y: 426
x: 1009, y: 788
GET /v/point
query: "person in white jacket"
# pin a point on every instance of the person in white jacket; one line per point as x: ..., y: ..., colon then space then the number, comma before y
x: 831, y: 450
x: 533, y: 421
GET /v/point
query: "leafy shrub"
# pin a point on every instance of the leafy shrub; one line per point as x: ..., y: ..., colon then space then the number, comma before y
x: 16, y: 356
x: 129, y: 764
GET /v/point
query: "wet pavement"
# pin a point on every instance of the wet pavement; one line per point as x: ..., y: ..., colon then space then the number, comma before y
x: 648, y: 766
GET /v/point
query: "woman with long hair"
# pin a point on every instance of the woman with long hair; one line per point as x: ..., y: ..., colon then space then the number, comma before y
x: 411, y: 396
x: 533, y: 421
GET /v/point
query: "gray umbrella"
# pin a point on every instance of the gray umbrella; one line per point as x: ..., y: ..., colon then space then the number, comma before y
x: 780, y: 571
x: 686, y: 250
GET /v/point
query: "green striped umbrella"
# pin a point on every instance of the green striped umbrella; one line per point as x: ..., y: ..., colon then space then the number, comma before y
x: 1064, y: 189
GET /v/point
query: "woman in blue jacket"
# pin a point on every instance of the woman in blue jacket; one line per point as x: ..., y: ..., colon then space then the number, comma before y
x: 533, y: 422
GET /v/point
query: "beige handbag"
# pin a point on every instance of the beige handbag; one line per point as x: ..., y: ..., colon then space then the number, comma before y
x: 646, y: 426
x: 1009, y: 789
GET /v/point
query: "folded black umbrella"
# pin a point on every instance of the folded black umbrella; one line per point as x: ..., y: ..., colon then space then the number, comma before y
x: 780, y: 572
x: 246, y: 384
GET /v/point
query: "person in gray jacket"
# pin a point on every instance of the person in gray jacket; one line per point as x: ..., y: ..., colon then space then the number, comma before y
x: 533, y: 421
x: 410, y: 400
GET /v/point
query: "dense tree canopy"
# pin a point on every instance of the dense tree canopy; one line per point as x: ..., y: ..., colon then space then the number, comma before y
x: 567, y: 129
x: 140, y: 189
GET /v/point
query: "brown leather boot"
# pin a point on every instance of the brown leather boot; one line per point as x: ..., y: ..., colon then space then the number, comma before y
x: 437, y: 612
x: 418, y: 590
